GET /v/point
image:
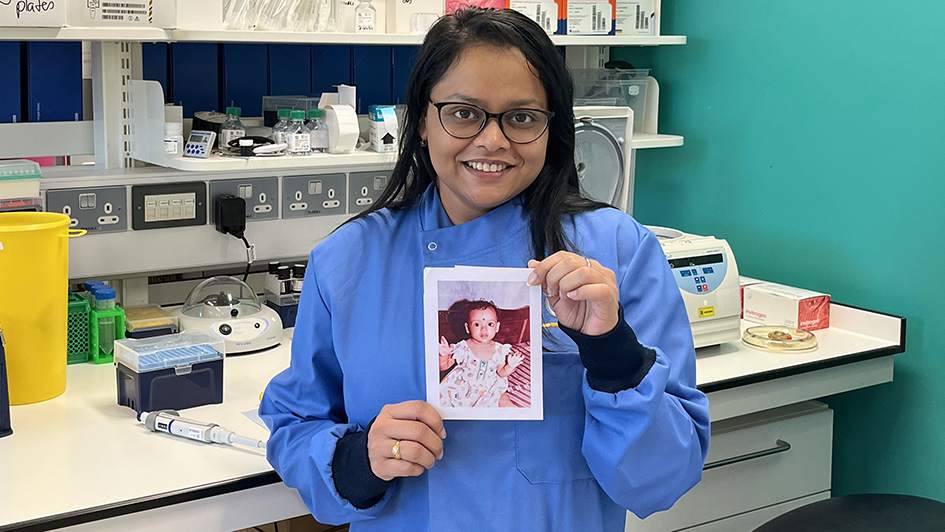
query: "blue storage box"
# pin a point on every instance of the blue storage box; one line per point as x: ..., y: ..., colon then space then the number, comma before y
x: 174, y: 371
x: 288, y: 312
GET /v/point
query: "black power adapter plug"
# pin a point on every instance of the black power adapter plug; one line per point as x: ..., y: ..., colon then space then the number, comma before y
x: 230, y: 214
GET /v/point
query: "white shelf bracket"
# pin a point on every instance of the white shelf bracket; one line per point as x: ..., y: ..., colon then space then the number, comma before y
x: 111, y: 70
x: 586, y: 56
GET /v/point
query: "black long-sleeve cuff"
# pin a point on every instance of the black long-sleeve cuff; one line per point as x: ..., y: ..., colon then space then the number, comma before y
x: 615, y: 360
x: 351, y: 470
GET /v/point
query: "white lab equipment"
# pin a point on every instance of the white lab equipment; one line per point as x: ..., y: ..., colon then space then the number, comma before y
x: 199, y: 144
x: 170, y: 422
x: 602, y: 140
x: 227, y: 308
x: 705, y: 270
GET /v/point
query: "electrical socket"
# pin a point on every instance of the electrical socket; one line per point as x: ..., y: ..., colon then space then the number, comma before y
x: 315, y: 195
x: 366, y: 188
x: 95, y: 209
x: 261, y: 195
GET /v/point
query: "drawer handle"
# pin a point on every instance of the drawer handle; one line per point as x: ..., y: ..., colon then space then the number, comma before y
x: 779, y: 447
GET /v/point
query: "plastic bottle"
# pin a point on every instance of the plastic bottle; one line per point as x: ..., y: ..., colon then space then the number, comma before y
x: 232, y: 128
x: 105, y: 300
x: 173, y: 139
x: 319, y: 131
x: 297, y: 136
x: 365, y: 17
x: 279, y: 130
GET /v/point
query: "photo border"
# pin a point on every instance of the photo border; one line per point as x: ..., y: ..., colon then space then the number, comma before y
x: 431, y: 276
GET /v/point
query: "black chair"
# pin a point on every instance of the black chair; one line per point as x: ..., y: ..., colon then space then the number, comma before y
x: 863, y: 513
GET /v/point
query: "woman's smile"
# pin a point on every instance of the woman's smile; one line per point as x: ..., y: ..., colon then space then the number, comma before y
x: 477, y: 174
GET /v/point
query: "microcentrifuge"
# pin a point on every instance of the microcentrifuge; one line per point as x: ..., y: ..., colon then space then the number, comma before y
x: 705, y: 272
x: 227, y: 308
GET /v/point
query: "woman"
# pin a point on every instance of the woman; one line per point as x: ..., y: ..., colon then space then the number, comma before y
x: 486, y: 177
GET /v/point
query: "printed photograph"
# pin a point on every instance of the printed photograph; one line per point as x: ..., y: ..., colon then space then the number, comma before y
x: 484, y: 357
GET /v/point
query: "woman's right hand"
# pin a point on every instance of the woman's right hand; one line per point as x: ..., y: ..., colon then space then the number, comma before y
x: 419, y: 429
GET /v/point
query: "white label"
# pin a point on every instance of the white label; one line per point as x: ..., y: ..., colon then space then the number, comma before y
x: 171, y: 147
x: 278, y: 137
x: 544, y: 13
x: 194, y: 433
x: 227, y: 135
x: 299, y: 142
x: 635, y: 17
x: 365, y: 22
x: 32, y: 13
x: 589, y: 18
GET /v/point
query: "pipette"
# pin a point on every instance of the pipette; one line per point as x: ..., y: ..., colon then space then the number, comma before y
x: 170, y: 422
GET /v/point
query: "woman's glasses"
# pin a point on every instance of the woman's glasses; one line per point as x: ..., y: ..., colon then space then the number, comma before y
x: 465, y: 121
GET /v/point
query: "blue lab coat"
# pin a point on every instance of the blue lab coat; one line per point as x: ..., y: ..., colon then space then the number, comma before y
x: 358, y: 345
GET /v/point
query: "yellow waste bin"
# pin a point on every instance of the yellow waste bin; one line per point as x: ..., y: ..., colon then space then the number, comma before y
x: 34, y: 276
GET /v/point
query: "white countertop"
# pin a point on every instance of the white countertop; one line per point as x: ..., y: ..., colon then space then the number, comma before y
x: 82, y: 451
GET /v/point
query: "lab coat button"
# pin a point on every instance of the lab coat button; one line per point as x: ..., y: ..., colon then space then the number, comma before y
x: 431, y: 246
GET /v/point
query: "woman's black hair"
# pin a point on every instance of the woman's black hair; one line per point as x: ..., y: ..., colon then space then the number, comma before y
x: 555, y: 193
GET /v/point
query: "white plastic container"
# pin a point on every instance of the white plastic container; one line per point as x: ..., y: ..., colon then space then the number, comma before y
x: 19, y: 178
x: 613, y: 87
x: 173, y: 139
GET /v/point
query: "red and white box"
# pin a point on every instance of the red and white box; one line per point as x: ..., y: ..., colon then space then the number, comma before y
x: 779, y: 305
x: 742, y: 283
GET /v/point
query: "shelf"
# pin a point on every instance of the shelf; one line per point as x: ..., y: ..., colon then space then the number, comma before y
x: 408, y: 40
x: 294, y: 37
x: 320, y: 161
x: 643, y: 141
x: 70, y: 33
x: 361, y: 158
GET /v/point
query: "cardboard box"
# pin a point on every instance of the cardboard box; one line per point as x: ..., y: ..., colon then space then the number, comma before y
x: 590, y: 17
x: 545, y: 14
x: 742, y: 283
x: 88, y: 13
x: 399, y: 13
x: 455, y: 5
x: 635, y: 17
x: 382, y: 127
x: 775, y: 304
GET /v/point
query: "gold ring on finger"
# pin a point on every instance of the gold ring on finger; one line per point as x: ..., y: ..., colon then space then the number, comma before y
x: 396, y: 450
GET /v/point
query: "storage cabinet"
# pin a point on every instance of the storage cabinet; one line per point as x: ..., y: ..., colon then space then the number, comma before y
x: 759, y: 461
x: 749, y: 521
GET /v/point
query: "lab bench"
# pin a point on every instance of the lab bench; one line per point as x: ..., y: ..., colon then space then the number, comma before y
x: 81, y: 462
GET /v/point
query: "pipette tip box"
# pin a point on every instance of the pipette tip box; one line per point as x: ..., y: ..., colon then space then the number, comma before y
x: 174, y: 371
x: 149, y: 320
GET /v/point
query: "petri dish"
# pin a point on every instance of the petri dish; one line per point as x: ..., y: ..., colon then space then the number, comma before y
x: 772, y: 338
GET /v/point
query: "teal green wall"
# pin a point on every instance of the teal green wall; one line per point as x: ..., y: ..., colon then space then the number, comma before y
x: 815, y: 143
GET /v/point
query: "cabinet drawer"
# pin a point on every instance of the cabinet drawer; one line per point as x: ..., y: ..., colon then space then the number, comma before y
x: 748, y: 522
x: 755, y: 461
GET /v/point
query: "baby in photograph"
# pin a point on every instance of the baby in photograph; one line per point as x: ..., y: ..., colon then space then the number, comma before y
x: 480, y: 377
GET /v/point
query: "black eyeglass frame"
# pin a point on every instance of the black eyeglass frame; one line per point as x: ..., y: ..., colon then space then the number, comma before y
x: 498, y: 116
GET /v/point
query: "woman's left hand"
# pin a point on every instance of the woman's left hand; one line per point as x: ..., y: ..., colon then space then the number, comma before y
x: 584, y: 297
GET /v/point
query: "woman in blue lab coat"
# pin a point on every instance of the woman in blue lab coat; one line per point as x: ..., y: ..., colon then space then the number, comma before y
x: 486, y: 177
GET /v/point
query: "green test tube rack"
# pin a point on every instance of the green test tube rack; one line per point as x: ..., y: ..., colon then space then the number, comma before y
x: 98, y: 357
x: 78, y: 350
